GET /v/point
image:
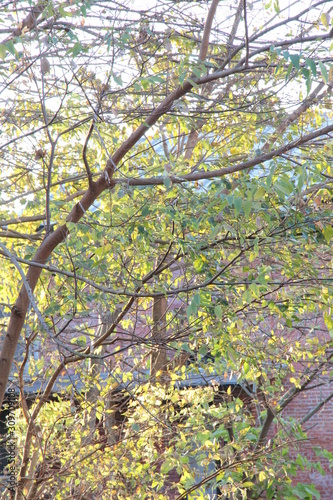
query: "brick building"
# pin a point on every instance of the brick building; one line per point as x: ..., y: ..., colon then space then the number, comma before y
x: 318, y: 395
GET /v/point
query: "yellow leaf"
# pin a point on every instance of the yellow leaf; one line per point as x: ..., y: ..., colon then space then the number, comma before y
x: 262, y: 476
x: 325, y: 19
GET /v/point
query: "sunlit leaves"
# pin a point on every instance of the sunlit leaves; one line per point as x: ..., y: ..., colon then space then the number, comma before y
x: 242, y: 256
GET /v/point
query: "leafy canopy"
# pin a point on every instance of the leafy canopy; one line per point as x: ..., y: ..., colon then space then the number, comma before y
x: 179, y: 155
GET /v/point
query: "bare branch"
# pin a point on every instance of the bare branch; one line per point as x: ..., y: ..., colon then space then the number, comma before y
x: 201, y: 175
x: 22, y: 220
x: 316, y: 409
x: 246, y: 36
x: 84, y: 154
x: 207, y: 30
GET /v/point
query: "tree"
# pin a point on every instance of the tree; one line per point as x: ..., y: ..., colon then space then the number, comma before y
x: 168, y: 169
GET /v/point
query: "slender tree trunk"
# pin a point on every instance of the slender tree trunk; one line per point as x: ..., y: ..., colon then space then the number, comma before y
x: 96, y: 366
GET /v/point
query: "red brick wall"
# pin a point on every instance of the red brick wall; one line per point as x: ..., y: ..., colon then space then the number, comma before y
x: 320, y: 434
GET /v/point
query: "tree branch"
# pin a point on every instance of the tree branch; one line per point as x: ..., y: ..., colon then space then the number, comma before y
x: 104, y: 182
x: 84, y: 155
x: 207, y: 30
x: 28, y: 23
x: 201, y: 175
x: 22, y: 220
x: 246, y: 35
x: 316, y: 409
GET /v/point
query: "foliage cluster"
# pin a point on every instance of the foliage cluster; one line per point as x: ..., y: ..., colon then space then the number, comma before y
x: 166, y: 207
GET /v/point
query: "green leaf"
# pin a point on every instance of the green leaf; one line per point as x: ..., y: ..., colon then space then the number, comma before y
x: 156, y: 79
x: 300, y: 181
x: 145, y: 83
x: 270, y: 177
x: 196, y: 300
x: 259, y: 194
x: 328, y: 321
x: 77, y: 49
x: 80, y: 341
x: 63, y: 12
x: 270, y: 493
x: 247, y: 205
x: 295, y: 60
x: 167, y: 465
x: 117, y: 79
x: 328, y: 233
x: 181, y: 78
x: 238, y: 202
x: 3, y: 50
x: 197, y: 70
x: 312, y: 65
x: 11, y: 48
x: 323, y: 70
x: 167, y: 182
x: 308, y: 84
x: 290, y: 67
x: 246, y: 368
x: 145, y: 211
x: 193, y: 83
x: 203, y: 350
x: 218, y: 311
x: 285, y: 186
x: 305, y: 72
x: 247, y: 484
x: 307, y: 75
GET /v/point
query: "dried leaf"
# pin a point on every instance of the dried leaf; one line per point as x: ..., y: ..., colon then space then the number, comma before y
x: 44, y: 66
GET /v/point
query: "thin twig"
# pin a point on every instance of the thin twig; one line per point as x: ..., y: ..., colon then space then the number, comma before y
x: 316, y: 409
x: 84, y: 155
